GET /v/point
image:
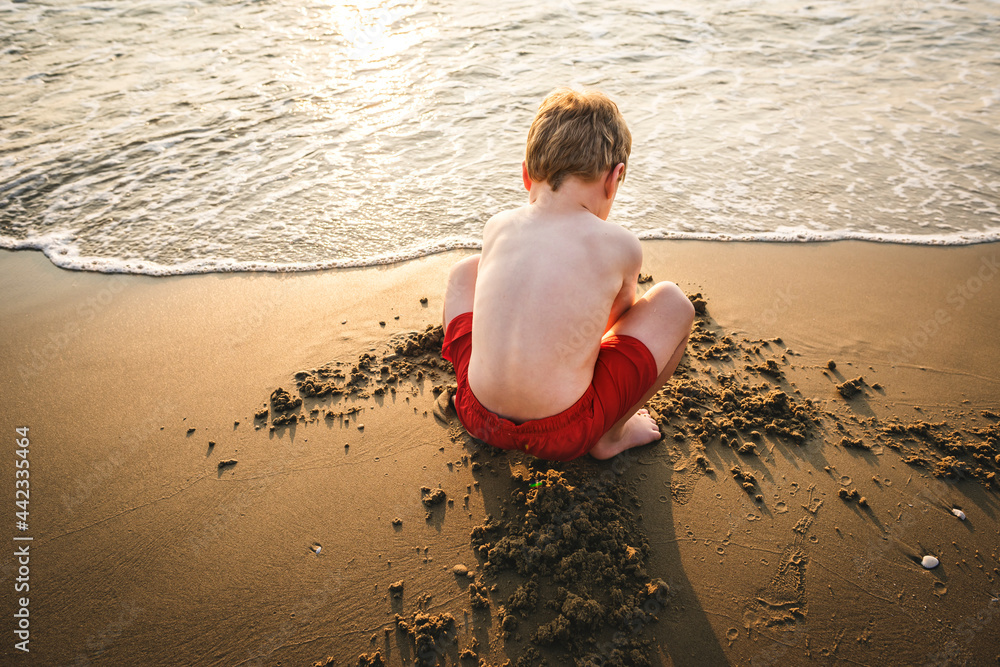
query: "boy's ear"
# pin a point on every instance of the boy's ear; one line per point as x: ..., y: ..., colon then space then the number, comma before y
x: 524, y: 175
x: 613, y: 179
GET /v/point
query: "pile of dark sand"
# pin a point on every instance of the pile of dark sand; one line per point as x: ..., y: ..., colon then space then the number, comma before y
x: 572, y: 540
x: 429, y: 636
x: 407, y: 359
x: 731, y: 391
x: 563, y: 565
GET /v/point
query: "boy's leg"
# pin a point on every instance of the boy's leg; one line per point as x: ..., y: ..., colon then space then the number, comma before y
x: 661, y: 320
x: 461, y: 290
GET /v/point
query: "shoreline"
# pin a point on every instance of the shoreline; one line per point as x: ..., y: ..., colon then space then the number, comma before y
x: 148, y: 549
x: 200, y: 267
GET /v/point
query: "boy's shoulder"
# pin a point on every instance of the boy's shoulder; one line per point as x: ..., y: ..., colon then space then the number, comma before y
x: 508, y: 215
x: 614, y: 235
x: 630, y: 247
x: 504, y: 220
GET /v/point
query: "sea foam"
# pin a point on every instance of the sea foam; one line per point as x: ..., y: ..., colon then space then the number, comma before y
x: 64, y: 255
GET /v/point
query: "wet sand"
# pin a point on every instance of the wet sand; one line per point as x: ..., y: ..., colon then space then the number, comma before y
x: 780, y: 520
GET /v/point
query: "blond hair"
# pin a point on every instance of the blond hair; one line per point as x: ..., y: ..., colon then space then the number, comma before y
x: 576, y: 134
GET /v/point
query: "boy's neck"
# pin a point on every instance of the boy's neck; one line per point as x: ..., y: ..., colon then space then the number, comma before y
x: 572, y: 196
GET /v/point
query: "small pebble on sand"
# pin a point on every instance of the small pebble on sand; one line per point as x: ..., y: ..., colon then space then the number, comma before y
x: 929, y: 562
x: 959, y: 513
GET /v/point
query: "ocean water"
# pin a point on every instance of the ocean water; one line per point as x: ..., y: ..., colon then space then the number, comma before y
x: 172, y: 136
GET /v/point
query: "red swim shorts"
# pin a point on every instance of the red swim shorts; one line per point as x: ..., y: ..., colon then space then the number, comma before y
x: 625, y: 370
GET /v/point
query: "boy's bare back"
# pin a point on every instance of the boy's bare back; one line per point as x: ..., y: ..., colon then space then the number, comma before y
x: 550, y: 275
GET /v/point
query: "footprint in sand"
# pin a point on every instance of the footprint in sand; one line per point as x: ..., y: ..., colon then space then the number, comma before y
x: 783, y: 600
x: 687, y: 472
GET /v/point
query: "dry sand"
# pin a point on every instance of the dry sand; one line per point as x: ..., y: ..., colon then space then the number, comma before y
x: 164, y: 532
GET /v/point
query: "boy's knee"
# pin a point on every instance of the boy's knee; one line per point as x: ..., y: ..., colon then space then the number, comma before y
x: 672, y: 301
x: 461, y: 287
x: 464, y: 271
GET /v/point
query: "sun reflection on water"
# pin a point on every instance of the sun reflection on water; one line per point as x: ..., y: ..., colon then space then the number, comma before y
x: 367, y: 41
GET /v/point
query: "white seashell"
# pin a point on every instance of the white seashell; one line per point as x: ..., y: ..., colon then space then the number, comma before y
x: 929, y: 562
x: 959, y: 513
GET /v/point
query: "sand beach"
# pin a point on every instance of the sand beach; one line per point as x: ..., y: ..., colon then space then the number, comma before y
x: 835, y: 414
x: 225, y: 230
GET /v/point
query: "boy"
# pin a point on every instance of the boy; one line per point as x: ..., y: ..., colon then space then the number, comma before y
x: 561, y: 355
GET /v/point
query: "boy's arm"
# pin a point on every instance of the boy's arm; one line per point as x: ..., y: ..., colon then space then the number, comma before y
x: 630, y: 282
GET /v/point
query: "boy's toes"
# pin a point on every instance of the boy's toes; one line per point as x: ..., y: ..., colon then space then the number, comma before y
x: 654, y: 428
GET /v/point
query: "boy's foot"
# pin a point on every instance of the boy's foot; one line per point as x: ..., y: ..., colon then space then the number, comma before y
x: 640, y: 429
